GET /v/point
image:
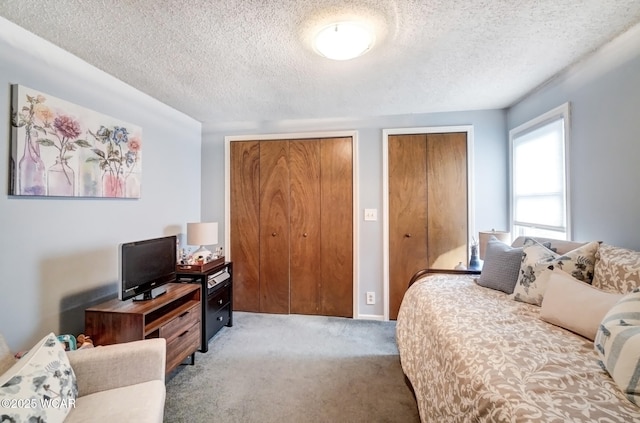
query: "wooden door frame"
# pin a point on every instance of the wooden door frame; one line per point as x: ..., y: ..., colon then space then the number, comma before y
x: 385, y: 191
x: 297, y: 136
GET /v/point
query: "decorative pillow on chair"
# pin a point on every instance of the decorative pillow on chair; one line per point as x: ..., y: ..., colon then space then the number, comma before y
x: 575, y: 305
x: 42, y: 384
x: 618, y: 344
x: 501, y: 266
x: 538, y: 262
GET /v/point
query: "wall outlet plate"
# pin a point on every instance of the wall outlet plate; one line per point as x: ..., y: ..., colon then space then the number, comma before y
x: 371, y: 214
x: 371, y: 297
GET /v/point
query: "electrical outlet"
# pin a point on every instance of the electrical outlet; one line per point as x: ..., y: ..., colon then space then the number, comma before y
x: 371, y: 297
x: 371, y: 214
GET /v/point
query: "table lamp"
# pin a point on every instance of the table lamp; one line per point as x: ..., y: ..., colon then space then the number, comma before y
x: 484, y: 237
x: 202, y: 233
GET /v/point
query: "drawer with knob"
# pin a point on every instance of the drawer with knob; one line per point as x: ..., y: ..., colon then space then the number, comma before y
x: 175, y: 327
x: 183, y: 344
x: 220, y: 318
x: 219, y: 298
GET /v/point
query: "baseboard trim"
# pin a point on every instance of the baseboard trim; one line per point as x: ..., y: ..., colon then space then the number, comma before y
x: 370, y: 317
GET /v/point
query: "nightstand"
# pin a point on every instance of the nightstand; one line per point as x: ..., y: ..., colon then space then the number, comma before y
x: 217, y: 304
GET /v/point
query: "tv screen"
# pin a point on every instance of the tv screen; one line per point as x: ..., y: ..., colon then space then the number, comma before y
x: 146, y: 265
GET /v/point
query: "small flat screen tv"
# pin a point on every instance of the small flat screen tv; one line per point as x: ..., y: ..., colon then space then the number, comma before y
x: 145, y: 266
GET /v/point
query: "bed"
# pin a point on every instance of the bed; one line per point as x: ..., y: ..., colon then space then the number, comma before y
x: 473, y: 354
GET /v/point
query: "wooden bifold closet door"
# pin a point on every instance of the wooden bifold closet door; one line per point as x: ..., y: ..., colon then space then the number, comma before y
x: 305, y: 226
x: 428, y: 207
x: 245, y: 223
x: 296, y: 256
x: 274, y: 227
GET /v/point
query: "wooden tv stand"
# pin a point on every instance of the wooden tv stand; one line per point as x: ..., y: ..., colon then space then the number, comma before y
x: 174, y: 316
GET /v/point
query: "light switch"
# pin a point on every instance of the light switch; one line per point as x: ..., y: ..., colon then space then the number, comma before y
x: 370, y: 214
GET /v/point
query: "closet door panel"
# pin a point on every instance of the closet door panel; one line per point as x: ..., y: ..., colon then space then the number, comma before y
x: 336, y: 164
x: 447, y: 200
x: 274, y: 227
x: 244, y: 222
x: 407, y: 213
x: 304, y: 173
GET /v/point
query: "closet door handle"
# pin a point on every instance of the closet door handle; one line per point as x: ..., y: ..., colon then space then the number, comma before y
x: 274, y: 234
x: 407, y: 235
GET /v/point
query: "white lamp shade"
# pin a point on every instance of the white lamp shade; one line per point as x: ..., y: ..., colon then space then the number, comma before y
x: 484, y: 236
x: 202, y: 233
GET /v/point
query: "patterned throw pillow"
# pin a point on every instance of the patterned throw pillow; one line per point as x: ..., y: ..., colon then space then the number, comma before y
x: 538, y: 262
x: 618, y: 344
x: 617, y: 269
x: 41, y: 386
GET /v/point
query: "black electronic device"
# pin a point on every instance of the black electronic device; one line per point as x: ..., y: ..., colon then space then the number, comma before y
x: 146, y: 265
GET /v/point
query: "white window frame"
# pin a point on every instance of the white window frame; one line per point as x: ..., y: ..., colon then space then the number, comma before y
x: 560, y: 112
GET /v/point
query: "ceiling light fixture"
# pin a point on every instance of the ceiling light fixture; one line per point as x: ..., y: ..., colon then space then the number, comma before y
x: 344, y: 41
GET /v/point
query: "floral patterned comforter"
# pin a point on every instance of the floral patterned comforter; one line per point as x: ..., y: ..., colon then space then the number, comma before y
x: 474, y: 355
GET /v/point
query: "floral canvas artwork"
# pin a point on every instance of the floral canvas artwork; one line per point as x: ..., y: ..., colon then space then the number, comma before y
x: 65, y: 150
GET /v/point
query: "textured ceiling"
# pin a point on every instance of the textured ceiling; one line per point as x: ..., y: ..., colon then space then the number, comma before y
x: 251, y: 60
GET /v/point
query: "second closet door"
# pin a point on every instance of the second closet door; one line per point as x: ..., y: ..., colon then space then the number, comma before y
x: 428, y: 207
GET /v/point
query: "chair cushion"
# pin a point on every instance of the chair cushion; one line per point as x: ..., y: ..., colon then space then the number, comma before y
x: 143, y: 402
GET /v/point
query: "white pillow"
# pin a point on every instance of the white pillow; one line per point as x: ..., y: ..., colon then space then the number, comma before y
x: 41, y: 386
x: 575, y: 305
x: 618, y: 344
x: 538, y: 261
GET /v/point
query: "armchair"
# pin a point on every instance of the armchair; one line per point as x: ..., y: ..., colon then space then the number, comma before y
x: 121, y: 382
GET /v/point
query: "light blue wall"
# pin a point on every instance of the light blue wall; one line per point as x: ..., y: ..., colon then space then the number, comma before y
x: 59, y: 255
x: 490, y: 162
x: 604, y: 93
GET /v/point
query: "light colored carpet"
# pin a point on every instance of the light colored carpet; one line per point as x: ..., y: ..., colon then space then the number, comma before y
x: 293, y: 368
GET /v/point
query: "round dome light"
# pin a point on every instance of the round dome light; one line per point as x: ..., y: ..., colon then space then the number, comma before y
x: 344, y: 41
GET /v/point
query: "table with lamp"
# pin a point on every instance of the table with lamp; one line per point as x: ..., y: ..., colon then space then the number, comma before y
x: 215, y: 277
x: 485, y: 236
x: 478, y: 252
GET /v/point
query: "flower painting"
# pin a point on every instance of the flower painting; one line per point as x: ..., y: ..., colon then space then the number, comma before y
x: 62, y: 149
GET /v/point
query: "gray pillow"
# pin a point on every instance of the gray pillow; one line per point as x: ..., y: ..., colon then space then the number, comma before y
x: 501, y: 266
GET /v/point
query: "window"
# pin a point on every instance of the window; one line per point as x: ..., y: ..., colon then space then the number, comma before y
x: 539, y: 182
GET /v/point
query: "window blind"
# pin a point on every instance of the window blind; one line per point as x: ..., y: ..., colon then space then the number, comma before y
x: 539, y: 183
